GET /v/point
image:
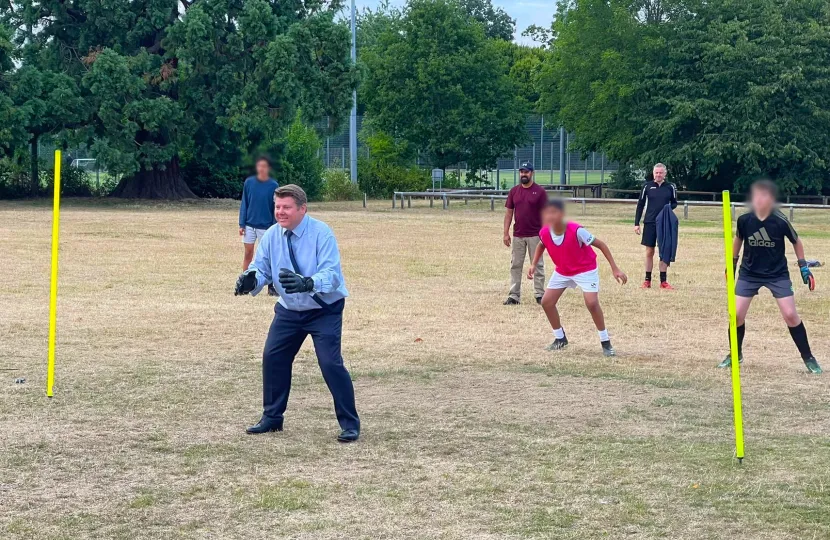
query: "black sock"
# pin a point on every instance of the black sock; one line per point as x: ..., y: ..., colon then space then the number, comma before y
x: 741, y: 331
x: 799, y: 334
x: 648, y: 276
x: 662, y: 277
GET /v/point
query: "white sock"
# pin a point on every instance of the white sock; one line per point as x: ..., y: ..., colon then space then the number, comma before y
x: 603, y: 335
x: 559, y: 333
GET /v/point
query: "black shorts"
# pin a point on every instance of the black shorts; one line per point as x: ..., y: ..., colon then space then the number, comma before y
x: 780, y: 288
x: 649, y: 235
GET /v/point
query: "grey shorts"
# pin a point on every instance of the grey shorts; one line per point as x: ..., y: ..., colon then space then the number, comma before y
x: 780, y: 288
x: 252, y: 235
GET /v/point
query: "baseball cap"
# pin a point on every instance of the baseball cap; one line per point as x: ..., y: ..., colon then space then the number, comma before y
x: 526, y: 165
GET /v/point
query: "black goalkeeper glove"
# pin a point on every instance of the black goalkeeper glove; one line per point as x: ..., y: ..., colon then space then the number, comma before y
x: 245, y: 283
x: 294, y: 283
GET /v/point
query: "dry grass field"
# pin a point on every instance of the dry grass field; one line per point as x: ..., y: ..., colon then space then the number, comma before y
x: 470, y: 429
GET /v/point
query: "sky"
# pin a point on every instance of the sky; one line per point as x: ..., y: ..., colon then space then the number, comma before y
x: 525, y: 12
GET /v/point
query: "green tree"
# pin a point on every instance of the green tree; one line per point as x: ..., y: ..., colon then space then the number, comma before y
x: 720, y: 90
x: 525, y: 70
x: 167, y: 81
x: 439, y: 83
x: 9, y: 121
x: 497, y: 23
x: 589, y: 78
x: 743, y: 91
x: 47, y: 102
x: 300, y: 162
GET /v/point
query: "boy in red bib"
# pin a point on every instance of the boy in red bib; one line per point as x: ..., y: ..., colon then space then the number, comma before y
x: 571, y: 247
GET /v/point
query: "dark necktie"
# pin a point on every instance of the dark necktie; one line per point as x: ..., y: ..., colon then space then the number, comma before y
x: 289, y: 235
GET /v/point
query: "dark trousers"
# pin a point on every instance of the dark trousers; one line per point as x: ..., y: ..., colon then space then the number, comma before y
x: 288, y: 331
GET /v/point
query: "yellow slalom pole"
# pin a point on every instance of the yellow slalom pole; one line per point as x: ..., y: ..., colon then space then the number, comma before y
x: 53, y: 295
x: 733, y: 327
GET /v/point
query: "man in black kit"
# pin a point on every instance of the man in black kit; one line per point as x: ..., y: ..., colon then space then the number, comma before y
x: 657, y: 193
x: 762, y: 232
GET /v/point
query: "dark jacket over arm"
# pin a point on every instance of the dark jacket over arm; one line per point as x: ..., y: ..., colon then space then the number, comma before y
x: 667, y: 232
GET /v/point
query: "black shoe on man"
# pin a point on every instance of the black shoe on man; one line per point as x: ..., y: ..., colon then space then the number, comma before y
x: 265, y: 425
x: 511, y: 302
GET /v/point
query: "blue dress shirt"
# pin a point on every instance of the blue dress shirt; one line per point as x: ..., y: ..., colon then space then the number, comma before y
x: 317, y: 255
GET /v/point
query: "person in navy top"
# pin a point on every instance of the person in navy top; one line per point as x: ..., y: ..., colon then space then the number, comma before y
x: 256, y: 214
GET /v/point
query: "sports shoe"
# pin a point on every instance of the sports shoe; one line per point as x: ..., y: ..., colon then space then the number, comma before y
x: 510, y: 302
x: 646, y: 285
x: 607, y: 349
x: 665, y: 285
x: 558, y: 344
x: 727, y: 362
x: 812, y: 365
x: 539, y: 300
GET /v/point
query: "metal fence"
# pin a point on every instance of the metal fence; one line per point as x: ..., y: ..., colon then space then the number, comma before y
x: 542, y: 149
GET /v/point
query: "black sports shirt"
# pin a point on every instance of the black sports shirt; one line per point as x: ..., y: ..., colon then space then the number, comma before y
x: 764, y: 257
x: 657, y: 196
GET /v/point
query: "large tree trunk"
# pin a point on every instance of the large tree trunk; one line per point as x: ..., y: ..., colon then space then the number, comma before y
x: 164, y: 181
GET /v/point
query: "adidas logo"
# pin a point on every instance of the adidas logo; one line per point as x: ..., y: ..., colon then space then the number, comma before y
x: 761, y: 239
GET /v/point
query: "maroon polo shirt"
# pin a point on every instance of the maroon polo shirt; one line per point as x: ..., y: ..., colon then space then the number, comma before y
x: 527, y: 204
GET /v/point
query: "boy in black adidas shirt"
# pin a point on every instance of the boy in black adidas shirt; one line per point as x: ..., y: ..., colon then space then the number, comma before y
x: 762, y: 233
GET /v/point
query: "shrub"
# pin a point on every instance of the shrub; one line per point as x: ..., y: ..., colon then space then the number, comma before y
x: 338, y: 186
x: 626, y: 178
x: 14, y: 180
x: 452, y: 180
x: 74, y: 181
x: 207, y: 180
x: 382, y: 179
x: 300, y: 162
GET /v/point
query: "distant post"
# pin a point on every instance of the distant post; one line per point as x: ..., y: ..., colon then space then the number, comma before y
x: 353, y: 115
x: 562, y: 179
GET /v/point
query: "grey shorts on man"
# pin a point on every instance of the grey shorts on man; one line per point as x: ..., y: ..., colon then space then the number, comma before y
x: 522, y: 248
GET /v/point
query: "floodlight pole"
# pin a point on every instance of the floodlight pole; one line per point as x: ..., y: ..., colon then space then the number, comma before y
x: 353, y: 116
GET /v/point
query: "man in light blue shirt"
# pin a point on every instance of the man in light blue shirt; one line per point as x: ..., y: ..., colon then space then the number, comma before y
x: 301, y: 253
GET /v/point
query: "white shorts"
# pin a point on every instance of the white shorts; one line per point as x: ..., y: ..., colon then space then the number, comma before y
x: 587, y: 281
x: 252, y: 235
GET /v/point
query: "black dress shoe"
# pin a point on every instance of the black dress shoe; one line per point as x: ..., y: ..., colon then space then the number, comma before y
x: 264, y: 426
x: 348, y: 435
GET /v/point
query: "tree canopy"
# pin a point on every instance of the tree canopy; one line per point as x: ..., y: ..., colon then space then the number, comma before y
x: 439, y: 83
x: 721, y: 90
x: 150, y: 83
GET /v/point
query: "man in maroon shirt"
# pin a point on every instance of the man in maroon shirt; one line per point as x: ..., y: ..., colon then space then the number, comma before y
x: 524, y: 203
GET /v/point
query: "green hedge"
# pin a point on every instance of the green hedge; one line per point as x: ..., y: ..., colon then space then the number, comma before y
x: 380, y: 180
x: 338, y: 186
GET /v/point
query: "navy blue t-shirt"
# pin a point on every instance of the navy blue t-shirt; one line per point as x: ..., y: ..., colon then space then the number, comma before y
x: 257, y: 208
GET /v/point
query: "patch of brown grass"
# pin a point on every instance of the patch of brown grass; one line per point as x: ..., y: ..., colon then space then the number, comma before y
x: 471, y: 430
